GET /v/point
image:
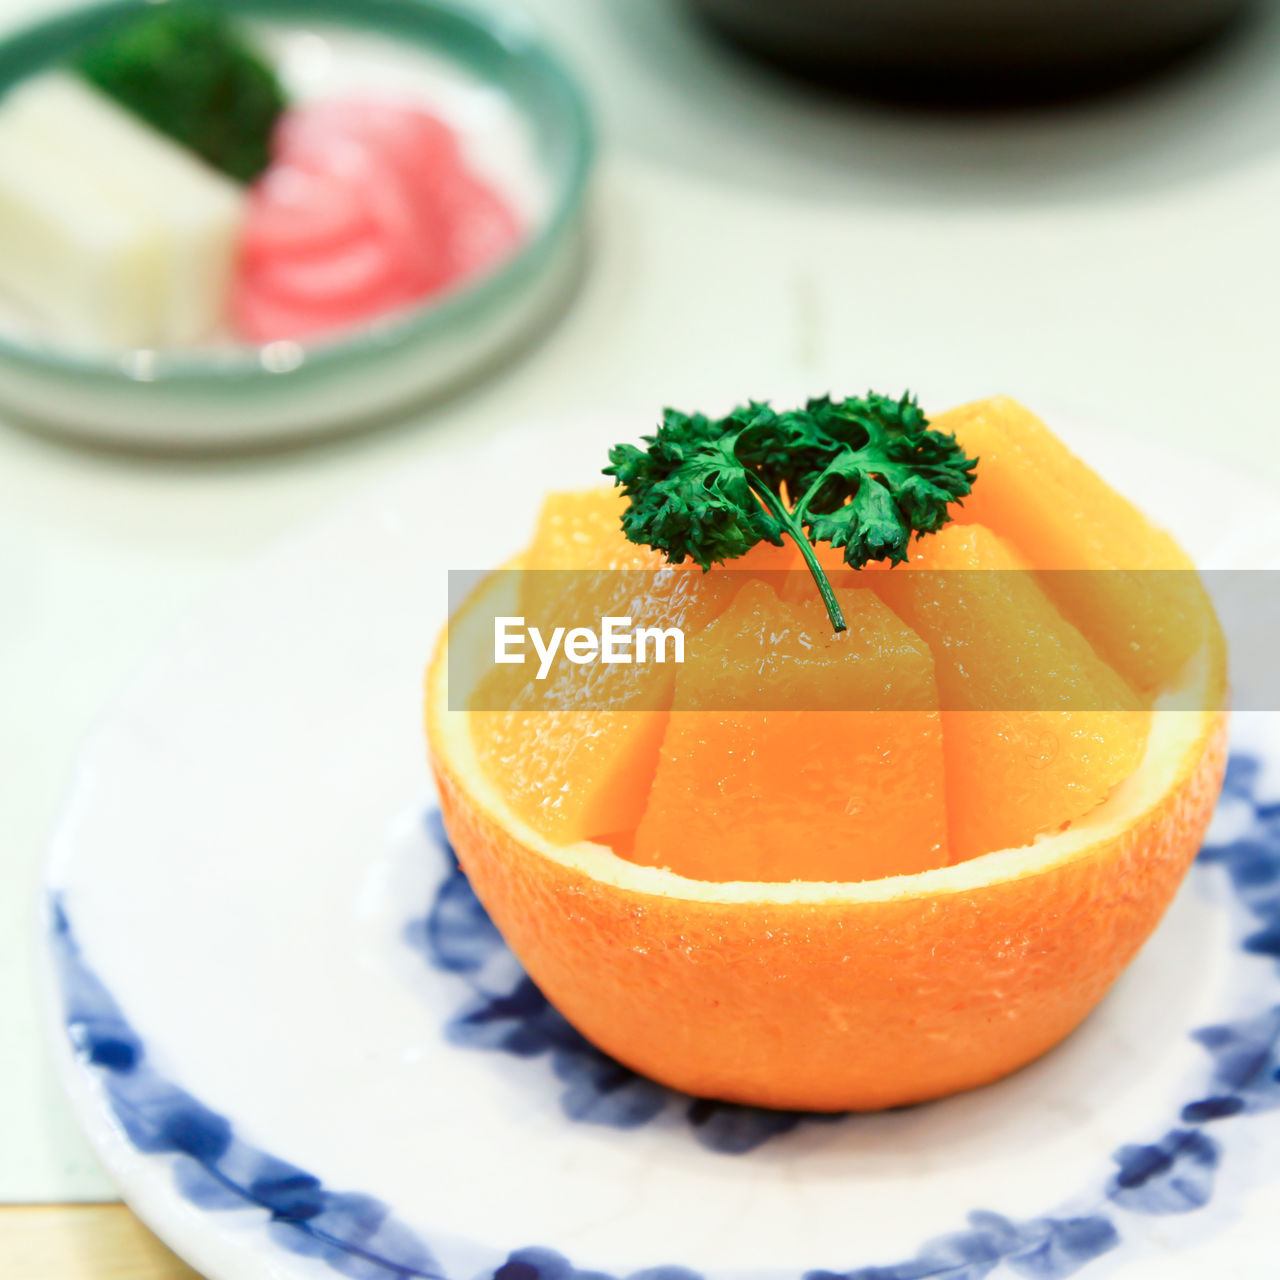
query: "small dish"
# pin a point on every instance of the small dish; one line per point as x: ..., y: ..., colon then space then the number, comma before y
x: 493, y: 67
x: 300, y: 1048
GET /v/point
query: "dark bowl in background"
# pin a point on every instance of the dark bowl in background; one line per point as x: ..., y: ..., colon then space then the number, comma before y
x: 972, y: 51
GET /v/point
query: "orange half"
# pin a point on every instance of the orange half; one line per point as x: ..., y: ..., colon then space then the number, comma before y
x: 831, y: 995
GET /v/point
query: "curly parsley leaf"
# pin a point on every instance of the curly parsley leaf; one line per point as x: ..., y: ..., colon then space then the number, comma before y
x: 690, y: 493
x: 862, y: 474
x: 894, y: 477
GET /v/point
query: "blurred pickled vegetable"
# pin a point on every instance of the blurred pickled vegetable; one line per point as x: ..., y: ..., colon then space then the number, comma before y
x: 367, y: 208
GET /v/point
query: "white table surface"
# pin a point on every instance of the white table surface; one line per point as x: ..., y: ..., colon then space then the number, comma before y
x: 1121, y: 259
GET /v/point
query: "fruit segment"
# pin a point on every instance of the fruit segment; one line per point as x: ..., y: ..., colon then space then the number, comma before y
x: 1038, y: 730
x: 575, y: 527
x: 575, y: 753
x: 577, y: 531
x: 571, y: 774
x: 1138, y: 600
x: 803, y: 794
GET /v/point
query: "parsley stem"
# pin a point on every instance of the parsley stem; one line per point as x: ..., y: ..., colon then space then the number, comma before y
x: 793, y: 527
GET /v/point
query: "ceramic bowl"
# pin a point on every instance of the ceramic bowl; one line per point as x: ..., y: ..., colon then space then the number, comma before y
x: 230, y: 395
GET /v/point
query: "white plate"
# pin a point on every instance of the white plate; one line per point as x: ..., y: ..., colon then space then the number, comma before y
x: 298, y: 1047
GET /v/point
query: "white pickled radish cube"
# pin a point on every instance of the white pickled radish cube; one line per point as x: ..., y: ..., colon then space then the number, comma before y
x: 82, y: 264
x: 187, y: 215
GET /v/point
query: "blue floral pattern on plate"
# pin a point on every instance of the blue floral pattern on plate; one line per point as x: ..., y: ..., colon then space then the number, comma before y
x: 354, y: 1234
x: 357, y: 1235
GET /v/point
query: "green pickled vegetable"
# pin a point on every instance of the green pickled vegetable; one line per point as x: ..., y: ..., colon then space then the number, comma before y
x: 187, y: 70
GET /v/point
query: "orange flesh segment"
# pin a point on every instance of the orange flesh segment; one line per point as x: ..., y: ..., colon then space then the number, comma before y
x: 572, y: 771
x: 778, y: 795
x: 998, y: 641
x: 574, y: 528
x: 571, y: 774
x: 1061, y: 515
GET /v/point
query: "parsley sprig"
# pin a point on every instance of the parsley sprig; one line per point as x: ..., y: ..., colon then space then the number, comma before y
x: 862, y: 474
